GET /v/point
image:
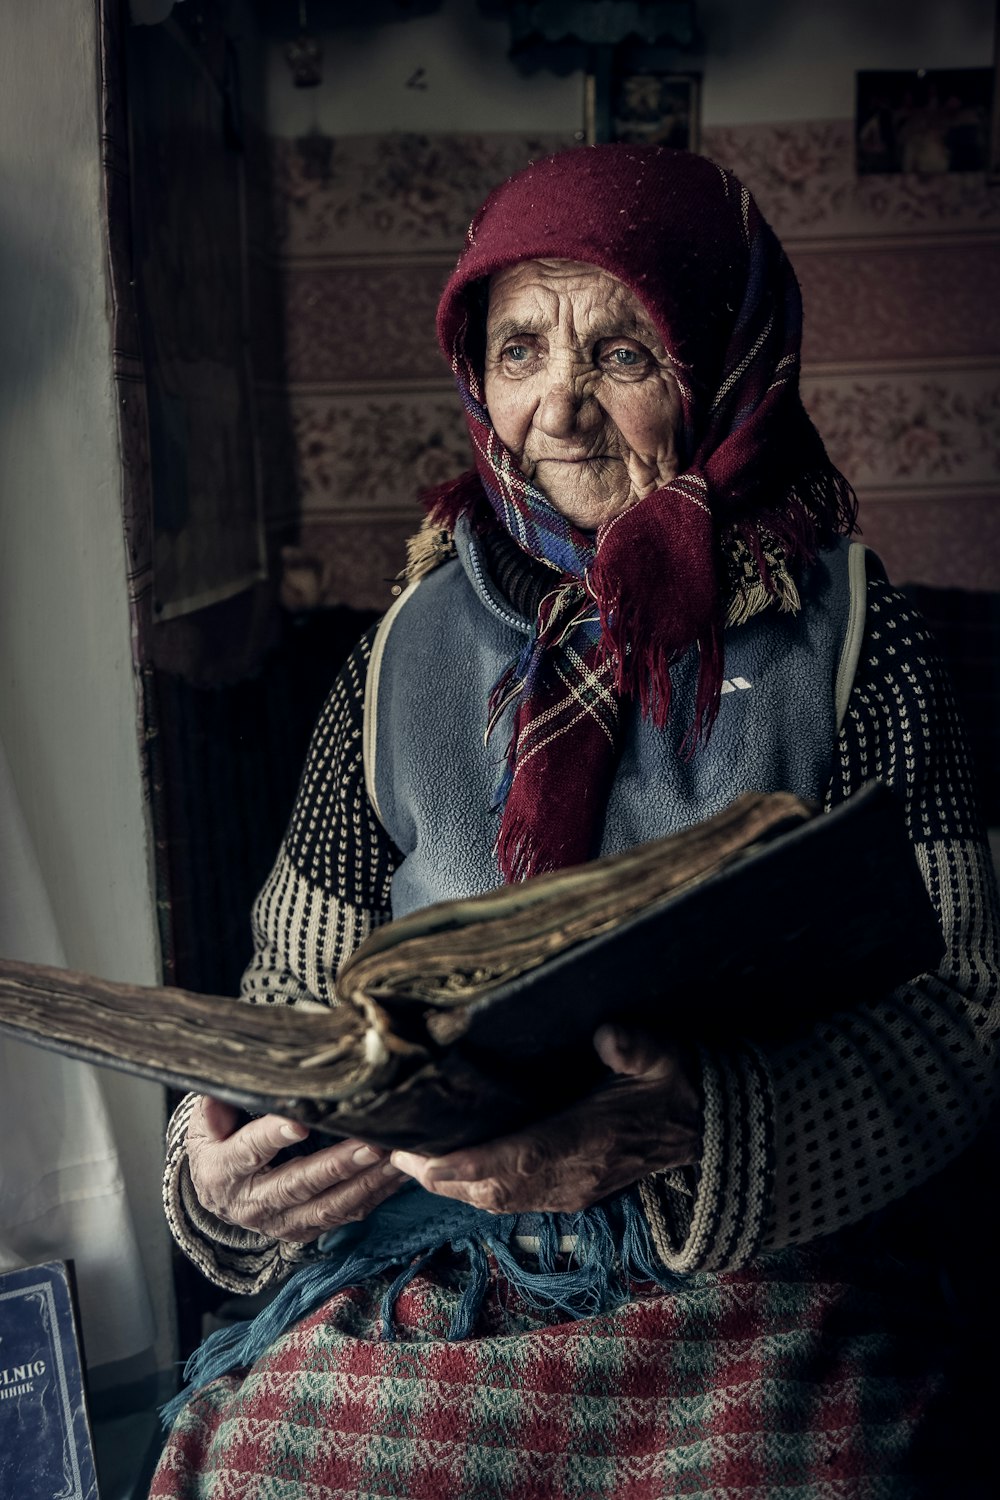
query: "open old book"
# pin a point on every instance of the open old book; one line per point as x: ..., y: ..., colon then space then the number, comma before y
x: 471, y: 1017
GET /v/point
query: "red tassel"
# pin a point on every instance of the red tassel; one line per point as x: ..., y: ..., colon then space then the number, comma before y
x: 446, y: 502
x: 709, y: 692
x: 518, y: 855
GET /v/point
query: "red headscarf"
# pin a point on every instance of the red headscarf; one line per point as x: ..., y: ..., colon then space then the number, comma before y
x: 688, y: 241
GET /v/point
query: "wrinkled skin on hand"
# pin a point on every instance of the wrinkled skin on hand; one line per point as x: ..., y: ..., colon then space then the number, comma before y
x: 235, y: 1177
x: 647, y: 1117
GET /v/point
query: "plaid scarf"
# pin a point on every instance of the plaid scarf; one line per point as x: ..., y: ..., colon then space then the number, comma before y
x: 755, y: 502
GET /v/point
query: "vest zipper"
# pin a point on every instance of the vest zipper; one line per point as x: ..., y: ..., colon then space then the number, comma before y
x: 486, y: 595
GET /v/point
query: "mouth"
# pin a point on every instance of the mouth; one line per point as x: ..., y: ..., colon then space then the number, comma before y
x: 583, y: 458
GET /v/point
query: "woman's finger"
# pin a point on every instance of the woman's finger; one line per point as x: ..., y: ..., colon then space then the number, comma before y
x: 307, y: 1177
x: 646, y: 1119
x: 342, y: 1203
x: 497, y: 1176
x: 629, y: 1052
x: 255, y: 1145
x: 218, y: 1120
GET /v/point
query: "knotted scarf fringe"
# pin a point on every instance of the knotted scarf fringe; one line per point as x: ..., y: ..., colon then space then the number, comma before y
x: 427, y: 549
x: 643, y: 671
x: 445, y: 503
x: 818, y: 507
x: 613, y: 1251
x: 516, y: 846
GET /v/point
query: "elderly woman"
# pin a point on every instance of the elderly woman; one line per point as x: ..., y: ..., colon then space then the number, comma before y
x: 637, y: 605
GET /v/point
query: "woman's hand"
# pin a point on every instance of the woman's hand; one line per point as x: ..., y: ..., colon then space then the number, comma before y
x: 234, y: 1177
x: 647, y: 1118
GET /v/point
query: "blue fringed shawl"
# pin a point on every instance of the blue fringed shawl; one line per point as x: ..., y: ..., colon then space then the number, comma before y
x: 610, y: 1249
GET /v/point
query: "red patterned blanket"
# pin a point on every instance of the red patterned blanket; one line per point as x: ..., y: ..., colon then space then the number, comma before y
x: 789, y: 1379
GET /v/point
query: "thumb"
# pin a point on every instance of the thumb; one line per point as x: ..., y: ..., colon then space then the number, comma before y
x: 218, y: 1119
x: 629, y: 1052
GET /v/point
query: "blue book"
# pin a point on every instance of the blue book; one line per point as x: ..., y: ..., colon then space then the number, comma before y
x: 46, y: 1451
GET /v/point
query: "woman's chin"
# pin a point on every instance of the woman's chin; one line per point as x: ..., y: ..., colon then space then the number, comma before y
x: 589, y: 508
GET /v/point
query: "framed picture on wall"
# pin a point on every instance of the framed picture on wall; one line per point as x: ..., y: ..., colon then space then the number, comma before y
x: 644, y: 106
x: 930, y: 120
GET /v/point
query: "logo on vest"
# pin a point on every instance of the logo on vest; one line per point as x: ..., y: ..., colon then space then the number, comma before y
x: 735, y: 685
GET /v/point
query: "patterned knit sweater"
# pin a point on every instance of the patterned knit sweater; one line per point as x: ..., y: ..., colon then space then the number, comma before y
x: 800, y: 1139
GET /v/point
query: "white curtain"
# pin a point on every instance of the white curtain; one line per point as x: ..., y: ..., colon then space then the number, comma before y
x: 62, y: 1196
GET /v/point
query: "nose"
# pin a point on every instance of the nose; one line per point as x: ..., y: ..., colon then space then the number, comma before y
x: 565, y: 409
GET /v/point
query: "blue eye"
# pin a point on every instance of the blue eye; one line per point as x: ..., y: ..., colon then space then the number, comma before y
x: 624, y: 359
x: 515, y: 352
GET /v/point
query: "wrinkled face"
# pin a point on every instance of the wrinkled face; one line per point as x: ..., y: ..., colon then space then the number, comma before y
x: 578, y: 387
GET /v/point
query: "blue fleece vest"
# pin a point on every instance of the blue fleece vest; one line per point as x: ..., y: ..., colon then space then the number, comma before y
x: 437, y: 654
x: 447, y: 640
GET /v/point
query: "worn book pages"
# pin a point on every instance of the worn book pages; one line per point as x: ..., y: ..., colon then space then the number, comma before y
x: 473, y: 1016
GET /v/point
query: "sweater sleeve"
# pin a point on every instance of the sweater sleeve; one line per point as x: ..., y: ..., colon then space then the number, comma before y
x: 798, y: 1139
x: 328, y: 889
x: 804, y: 1138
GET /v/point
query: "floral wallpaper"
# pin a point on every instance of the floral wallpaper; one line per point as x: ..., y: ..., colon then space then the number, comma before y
x: 891, y: 431
x: 901, y: 288
x: 890, y: 301
x: 803, y: 178
x: 388, y: 194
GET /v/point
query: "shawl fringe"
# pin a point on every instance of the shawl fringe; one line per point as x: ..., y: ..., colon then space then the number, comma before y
x: 612, y: 1252
x: 756, y: 576
x: 752, y: 468
x: 427, y: 549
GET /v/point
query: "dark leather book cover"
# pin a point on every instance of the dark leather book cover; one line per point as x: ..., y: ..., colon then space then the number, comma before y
x: 46, y: 1452
x: 468, y: 1018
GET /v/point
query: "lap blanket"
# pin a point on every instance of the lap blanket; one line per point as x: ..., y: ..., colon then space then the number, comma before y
x: 812, y: 1375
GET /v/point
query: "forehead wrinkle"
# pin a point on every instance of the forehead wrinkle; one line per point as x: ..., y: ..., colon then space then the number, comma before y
x: 587, y: 303
x: 604, y: 325
x: 506, y: 328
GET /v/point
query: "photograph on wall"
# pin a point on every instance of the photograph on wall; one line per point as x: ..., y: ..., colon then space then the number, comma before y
x: 645, y: 107
x: 931, y: 120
